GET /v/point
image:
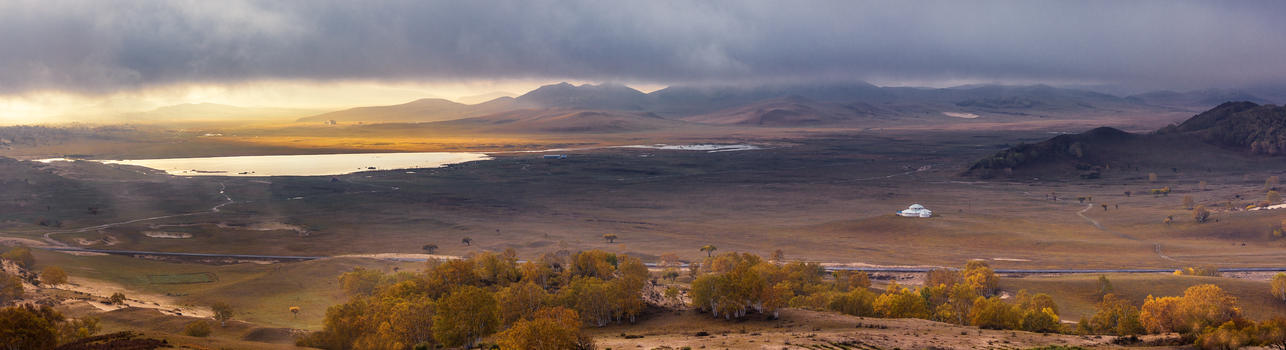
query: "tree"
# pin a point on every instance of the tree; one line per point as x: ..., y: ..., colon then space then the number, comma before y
x: 1104, y: 287
x: 1188, y: 203
x: 53, y: 275
x: 993, y: 313
x: 899, y: 302
x: 1207, y: 305
x: 981, y: 277
x: 942, y: 277
x: 960, y: 301
x: 20, y: 256
x: 520, y: 301
x: 117, y: 298
x: 555, y: 328
x: 222, y: 312
x: 464, y: 316
x: 857, y: 302
x: 1160, y: 315
x: 591, y: 297
x: 78, y: 328
x: 777, y: 256
x: 846, y: 280
x: 24, y: 327
x: 709, y: 249
x: 1279, y: 286
x: 294, y: 310
x: 1116, y: 316
x: 10, y: 287
x: 430, y: 248
x: 610, y: 237
x: 1200, y: 213
x: 467, y: 241
x: 197, y: 328
x: 1272, y: 333
x: 360, y: 281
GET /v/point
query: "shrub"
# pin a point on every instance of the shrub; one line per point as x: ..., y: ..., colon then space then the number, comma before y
x: 197, y: 328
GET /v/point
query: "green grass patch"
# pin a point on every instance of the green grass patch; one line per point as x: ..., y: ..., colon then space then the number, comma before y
x: 183, y: 278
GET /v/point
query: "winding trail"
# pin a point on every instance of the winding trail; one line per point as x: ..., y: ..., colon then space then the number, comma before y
x: 1156, y: 246
x: 48, y: 236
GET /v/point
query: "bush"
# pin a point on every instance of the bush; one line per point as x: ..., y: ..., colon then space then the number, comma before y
x: 197, y: 329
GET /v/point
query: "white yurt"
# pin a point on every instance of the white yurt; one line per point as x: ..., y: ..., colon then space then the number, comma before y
x: 916, y: 211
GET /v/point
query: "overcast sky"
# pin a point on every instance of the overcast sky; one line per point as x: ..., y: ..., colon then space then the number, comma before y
x: 90, y: 48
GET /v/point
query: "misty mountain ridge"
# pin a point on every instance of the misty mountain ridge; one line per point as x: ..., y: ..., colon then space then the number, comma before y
x: 786, y: 105
x: 1196, y: 98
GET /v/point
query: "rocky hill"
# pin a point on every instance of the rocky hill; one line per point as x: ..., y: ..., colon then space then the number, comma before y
x: 1230, y: 132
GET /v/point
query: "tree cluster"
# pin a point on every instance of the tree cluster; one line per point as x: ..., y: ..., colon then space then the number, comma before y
x: 1205, y: 314
x: 30, y: 327
x: 534, y: 305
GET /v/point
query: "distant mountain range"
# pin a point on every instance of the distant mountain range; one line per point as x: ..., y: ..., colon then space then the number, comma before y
x: 780, y: 105
x: 1233, y: 131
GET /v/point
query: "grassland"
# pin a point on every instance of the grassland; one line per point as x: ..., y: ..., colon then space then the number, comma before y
x: 819, y: 195
x: 260, y: 294
x: 823, y: 198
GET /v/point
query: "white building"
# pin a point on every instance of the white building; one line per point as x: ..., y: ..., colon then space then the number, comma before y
x: 916, y: 211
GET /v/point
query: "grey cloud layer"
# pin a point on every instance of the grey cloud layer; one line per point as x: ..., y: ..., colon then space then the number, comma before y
x: 102, y: 46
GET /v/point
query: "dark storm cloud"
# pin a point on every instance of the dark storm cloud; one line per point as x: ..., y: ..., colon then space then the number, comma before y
x: 101, y: 46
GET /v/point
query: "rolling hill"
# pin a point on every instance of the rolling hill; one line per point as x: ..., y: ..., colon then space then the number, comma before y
x: 844, y: 104
x: 536, y: 121
x: 422, y: 110
x: 1230, y: 135
x: 1200, y: 99
x: 791, y: 111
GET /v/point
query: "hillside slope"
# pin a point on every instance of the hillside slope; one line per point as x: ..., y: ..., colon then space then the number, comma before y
x: 1231, y: 135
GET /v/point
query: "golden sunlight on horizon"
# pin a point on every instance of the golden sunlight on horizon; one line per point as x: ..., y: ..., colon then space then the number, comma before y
x: 57, y: 107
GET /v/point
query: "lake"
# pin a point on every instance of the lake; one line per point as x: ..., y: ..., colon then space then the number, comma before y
x: 347, y: 163
x: 299, y: 165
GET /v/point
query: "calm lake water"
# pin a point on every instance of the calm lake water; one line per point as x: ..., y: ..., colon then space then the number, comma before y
x: 299, y: 165
x: 339, y: 164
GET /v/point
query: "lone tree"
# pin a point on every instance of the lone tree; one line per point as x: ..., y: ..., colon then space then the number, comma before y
x: 1200, y: 213
x: 53, y: 276
x: 709, y: 249
x: 1104, y: 207
x: 610, y: 237
x: 295, y: 311
x: 467, y: 241
x: 1279, y: 286
x: 1104, y: 286
x: 430, y: 248
x: 778, y: 256
x: 117, y: 298
x: 222, y: 312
